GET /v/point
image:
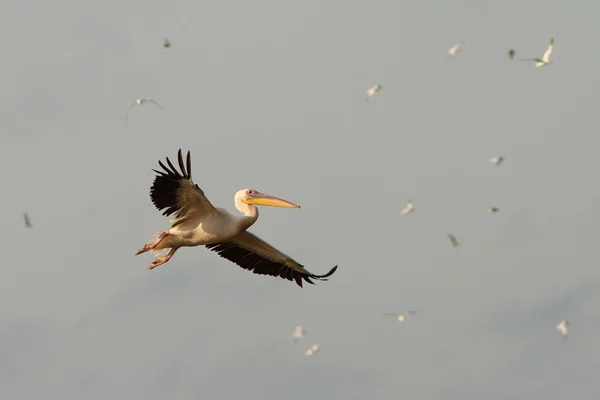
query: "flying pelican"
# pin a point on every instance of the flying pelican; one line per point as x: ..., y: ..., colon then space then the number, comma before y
x: 312, y: 350
x: 453, y: 240
x: 27, y: 221
x: 410, y: 207
x: 139, y: 102
x: 456, y: 48
x: 399, y: 317
x: 511, y: 53
x: 299, y: 333
x: 496, y: 160
x: 166, y: 44
x: 371, y: 92
x: 493, y: 209
x: 562, y: 327
x: 198, y: 223
x: 545, y: 60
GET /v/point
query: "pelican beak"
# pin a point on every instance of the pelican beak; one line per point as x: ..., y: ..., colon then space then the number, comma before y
x: 261, y: 199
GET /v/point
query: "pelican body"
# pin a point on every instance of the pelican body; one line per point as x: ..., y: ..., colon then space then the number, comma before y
x: 198, y: 223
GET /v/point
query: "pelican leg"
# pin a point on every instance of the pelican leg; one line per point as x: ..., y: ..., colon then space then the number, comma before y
x: 153, y: 244
x: 163, y: 259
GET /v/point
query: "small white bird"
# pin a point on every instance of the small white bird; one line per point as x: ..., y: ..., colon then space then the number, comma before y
x: 371, y: 92
x: 545, y: 60
x: 139, y: 102
x: 299, y: 333
x: 456, y: 48
x: 27, y: 221
x: 166, y: 44
x: 453, y: 240
x: 493, y: 209
x: 410, y: 207
x: 562, y: 327
x: 399, y: 317
x: 496, y: 160
x: 312, y: 350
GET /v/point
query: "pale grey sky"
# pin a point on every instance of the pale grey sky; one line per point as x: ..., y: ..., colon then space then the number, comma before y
x: 270, y: 95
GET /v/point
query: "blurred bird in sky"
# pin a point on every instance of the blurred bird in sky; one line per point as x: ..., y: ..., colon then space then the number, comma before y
x: 496, y: 160
x: 456, y: 48
x: 371, y: 92
x: 410, y: 207
x: 315, y: 348
x: 453, y: 240
x: 27, y: 221
x: 139, y: 102
x: 545, y: 60
x: 562, y: 327
x: 299, y: 333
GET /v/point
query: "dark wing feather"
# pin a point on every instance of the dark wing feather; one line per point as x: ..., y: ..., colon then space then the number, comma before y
x: 175, y: 192
x: 251, y: 253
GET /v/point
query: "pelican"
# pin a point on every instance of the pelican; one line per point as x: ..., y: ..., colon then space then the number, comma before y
x: 139, y: 102
x: 299, y: 333
x: 399, y: 317
x: 493, y: 209
x: 371, y: 92
x: 198, y: 223
x: 410, y: 207
x: 315, y: 348
x: 456, y: 48
x: 453, y: 240
x: 545, y: 60
x: 511, y: 53
x: 27, y: 221
x: 166, y: 44
x: 562, y: 327
x: 496, y: 160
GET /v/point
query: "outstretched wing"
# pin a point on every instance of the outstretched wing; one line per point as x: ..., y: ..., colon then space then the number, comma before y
x: 390, y: 314
x: 154, y: 102
x: 252, y: 253
x: 175, y: 192
x: 546, y: 56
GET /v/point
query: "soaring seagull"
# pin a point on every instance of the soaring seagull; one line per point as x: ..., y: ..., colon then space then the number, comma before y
x: 545, y: 60
x: 198, y: 223
x: 410, y: 207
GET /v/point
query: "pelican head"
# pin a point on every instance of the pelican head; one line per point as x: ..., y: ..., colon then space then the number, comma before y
x: 256, y: 198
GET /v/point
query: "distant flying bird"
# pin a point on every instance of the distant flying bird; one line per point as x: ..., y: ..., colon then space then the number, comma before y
x: 456, y: 48
x: 139, y: 102
x: 511, y: 53
x: 299, y: 333
x: 27, y: 221
x: 453, y: 240
x: 493, y: 209
x: 166, y: 44
x: 399, y: 317
x: 496, y: 160
x: 198, y: 223
x: 371, y: 92
x: 545, y: 60
x: 562, y: 327
x: 312, y: 350
x: 410, y: 207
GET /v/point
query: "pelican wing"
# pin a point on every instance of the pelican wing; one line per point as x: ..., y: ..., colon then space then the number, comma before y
x: 546, y: 56
x: 175, y: 192
x: 390, y: 314
x: 252, y: 253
